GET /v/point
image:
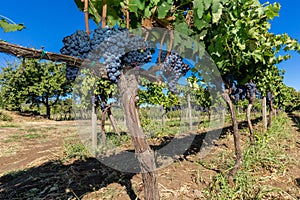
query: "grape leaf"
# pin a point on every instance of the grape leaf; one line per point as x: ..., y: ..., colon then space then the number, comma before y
x: 163, y: 10
x: 207, y: 4
x: 8, y: 27
x: 199, y: 7
x: 217, y: 8
x: 134, y: 5
x: 182, y: 28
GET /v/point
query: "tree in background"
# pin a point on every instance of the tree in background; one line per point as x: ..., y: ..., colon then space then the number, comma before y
x: 35, y: 83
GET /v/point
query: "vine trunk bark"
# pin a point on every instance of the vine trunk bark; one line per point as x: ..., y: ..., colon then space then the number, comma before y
x: 236, y: 137
x: 129, y: 88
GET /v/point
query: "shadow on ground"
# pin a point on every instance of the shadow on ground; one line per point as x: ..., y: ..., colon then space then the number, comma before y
x: 296, y: 120
x: 55, y: 180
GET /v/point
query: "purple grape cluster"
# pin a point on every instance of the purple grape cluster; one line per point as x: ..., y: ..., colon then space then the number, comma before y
x: 239, y: 92
x: 137, y: 57
x: 251, y: 89
x: 270, y: 98
x: 116, y: 46
x: 77, y: 45
x: 71, y: 72
x: 173, y: 69
x: 124, y: 50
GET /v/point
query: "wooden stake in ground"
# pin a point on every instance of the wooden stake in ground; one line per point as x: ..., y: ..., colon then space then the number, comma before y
x: 94, y: 125
x: 129, y: 89
x: 250, y: 105
x: 264, y: 113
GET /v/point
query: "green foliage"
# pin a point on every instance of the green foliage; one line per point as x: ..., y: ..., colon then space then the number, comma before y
x: 73, y: 148
x: 34, y: 83
x: 114, y: 12
x: 88, y: 86
x: 241, y: 43
x: 288, y: 99
x: 9, y: 27
x: 156, y: 94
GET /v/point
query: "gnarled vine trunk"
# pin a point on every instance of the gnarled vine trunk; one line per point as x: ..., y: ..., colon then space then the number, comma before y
x: 236, y: 136
x: 271, y: 113
x: 129, y: 89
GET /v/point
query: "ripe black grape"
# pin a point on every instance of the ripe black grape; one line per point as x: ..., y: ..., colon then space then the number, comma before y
x: 116, y: 46
x: 173, y: 69
x: 71, y: 72
x: 239, y: 92
x: 77, y: 44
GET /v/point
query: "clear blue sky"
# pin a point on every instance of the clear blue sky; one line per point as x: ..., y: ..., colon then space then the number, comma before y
x: 47, y: 22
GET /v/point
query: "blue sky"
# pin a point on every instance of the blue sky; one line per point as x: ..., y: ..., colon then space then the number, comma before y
x: 47, y: 22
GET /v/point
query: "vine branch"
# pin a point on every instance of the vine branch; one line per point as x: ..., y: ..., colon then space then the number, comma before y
x: 86, y: 16
x: 97, y: 68
x: 104, y: 13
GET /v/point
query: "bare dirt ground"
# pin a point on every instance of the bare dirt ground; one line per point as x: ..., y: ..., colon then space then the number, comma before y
x: 32, y: 166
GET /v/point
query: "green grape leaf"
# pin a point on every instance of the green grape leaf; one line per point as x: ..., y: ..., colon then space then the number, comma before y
x: 207, y: 4
x: 147, y: 12
x: 134, y: 5
x: 8, y: 27
x: 217, y: 9
x: 199, y: 8
x: 182, y: 28
x: 163, y: 10
x: 200, y: 24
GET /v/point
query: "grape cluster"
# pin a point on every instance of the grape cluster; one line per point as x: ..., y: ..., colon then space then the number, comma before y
x: 239, y: 92
x: 173, y: 69
x: 124, y: 50
x: 77, y: 44
x: 116, y: 46
x: 251, y: 89
x: 270, y: 98
x: 100, y: 35
x: 137, y: 57
x: 71, y: 72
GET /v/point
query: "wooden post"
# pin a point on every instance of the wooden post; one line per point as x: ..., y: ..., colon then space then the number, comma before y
x: 189, y: 111
x: 129, y: 89
x: 264, y: 113
x: 94, y: 125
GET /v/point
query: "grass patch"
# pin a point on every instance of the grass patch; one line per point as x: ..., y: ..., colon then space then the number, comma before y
x: 267, y: 158
x: 34, y: 136
x: 73, y: 148
x: 9, y: 125
x: 20, y: 136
